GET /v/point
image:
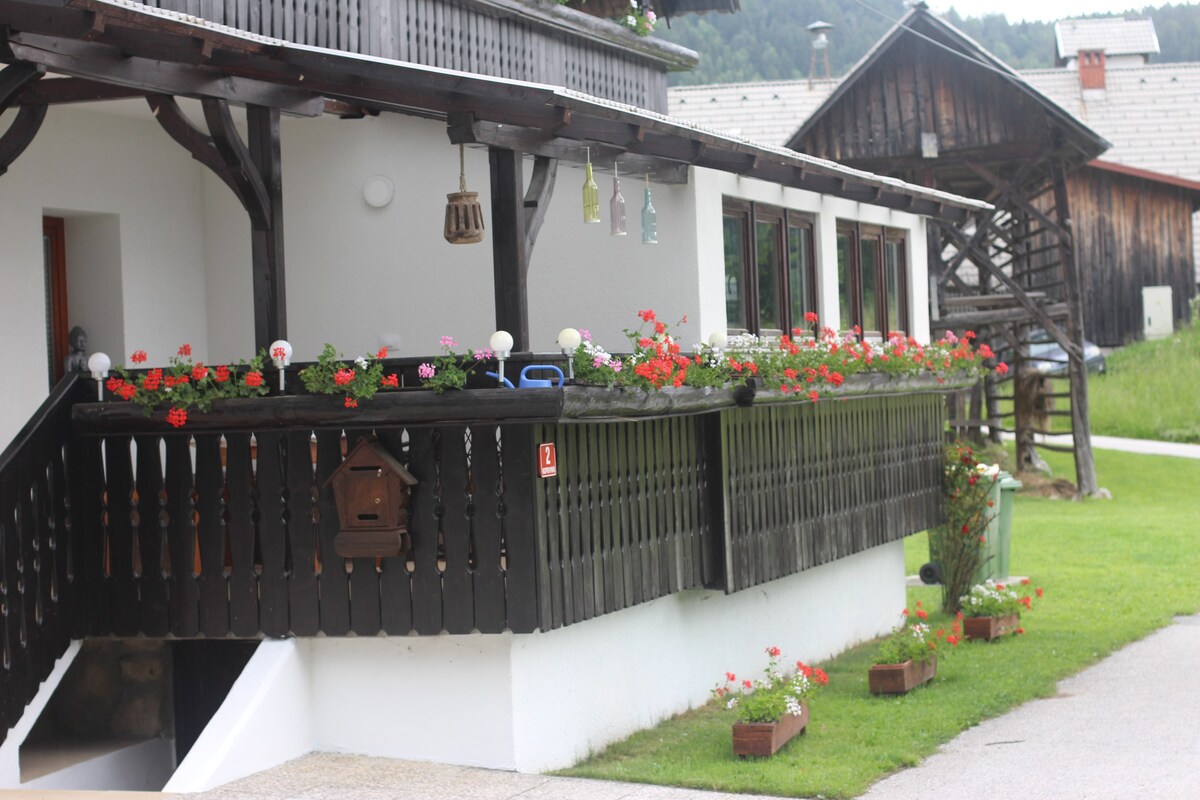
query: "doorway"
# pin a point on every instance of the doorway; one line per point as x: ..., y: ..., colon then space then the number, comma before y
x: 54, y: 253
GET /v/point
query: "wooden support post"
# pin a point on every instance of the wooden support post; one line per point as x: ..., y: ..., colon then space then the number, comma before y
x: 510, y: 256
x: 1085, y: 465
x: 270, y: 296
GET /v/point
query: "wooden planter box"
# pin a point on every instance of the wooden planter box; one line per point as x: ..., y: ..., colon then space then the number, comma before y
x: 988, y: 628
x: 900, y: 678
x: 765, y: 738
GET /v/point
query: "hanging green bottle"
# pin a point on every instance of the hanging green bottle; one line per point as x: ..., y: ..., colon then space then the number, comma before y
x: 649, y: 218
x: 591, y: 194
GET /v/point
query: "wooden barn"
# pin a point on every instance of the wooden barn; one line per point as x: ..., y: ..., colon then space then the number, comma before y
x: 1133, y: 229
x: 913, y: 109
x: 1069, y: 245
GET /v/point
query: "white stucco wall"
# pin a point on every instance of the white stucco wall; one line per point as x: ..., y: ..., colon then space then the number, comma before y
x: 83, y: 163
x: 534, y: 702
x: 356, y: 273
x: 711, y: 186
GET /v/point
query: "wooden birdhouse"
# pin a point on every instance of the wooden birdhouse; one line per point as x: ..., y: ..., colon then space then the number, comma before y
x: 371, y: 490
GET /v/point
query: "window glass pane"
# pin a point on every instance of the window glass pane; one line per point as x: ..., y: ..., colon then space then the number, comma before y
x: 844, y: 267
x: 799, y: 253
x: 869, y: 275
x: 735, y: 270
x: 769, y: 259
x: 894, y: 265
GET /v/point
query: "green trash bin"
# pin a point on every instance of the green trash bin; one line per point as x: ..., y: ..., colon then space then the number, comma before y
x: 997, y: 549
x: 1008, y: 494
x: 990, y: 558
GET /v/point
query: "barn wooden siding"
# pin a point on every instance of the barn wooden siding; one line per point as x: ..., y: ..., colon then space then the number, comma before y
x: 1129, y: 233
x: 461, y: 36
x: 917, y: 88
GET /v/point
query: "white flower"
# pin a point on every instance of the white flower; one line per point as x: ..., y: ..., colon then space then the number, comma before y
x: 630, y: 20
x: 361, y: 361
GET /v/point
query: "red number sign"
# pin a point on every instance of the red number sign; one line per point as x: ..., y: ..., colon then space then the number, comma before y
x: 547, y: 460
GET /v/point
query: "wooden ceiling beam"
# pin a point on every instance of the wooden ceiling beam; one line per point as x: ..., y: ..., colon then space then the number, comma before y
x: 62, y: 91
x: 90, y: 60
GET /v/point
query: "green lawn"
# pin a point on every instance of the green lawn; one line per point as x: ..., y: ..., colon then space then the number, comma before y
x: 1150, y: 390
x: 1113, y: 572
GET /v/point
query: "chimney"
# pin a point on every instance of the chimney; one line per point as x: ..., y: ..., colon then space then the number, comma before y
x: 1091, y: 69
x: 819, y: 31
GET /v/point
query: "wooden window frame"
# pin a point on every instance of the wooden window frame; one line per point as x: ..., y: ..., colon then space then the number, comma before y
x: 858, y: 232
x: 751, y: 213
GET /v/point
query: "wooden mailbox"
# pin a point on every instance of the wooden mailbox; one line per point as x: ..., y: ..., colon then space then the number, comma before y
x: 371, y: 490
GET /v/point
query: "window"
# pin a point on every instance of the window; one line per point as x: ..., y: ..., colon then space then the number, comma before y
x: 770, y: 274
x: 872, y: 279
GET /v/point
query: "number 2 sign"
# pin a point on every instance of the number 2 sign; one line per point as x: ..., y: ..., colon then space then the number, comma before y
x: 547, y: 460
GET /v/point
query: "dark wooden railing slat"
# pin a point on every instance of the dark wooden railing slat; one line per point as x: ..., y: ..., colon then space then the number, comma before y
x: 151, y: 585
x: 424, y: 506
x: 211, y: 532
x: 458, y: 599
x: 487, y: 530
x: 243, y: 535
x: 303, y: 596
x: 333, y: 585
x: 395, y: 584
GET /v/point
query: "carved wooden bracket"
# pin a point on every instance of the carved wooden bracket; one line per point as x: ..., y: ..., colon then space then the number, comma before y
x: 222, y: 150
x: 20, y: 133
x: 537, y: 198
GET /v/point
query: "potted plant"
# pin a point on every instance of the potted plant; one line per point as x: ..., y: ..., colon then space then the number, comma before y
x: 908, y: 657
x: 991, y: 610
x: 771, y: 710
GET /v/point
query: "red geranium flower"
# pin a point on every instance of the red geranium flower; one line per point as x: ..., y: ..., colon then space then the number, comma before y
x: 138, y: 357
x: 177, y: 417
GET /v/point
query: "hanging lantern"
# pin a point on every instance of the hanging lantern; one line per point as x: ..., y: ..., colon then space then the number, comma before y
x: 464, y: 215
x: 591, y: 193
x: 649, y: 217
x: 616, y: 206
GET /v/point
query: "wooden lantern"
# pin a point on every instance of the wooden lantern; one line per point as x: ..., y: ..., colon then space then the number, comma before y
x: 464, y: 214
x: 371, y: 490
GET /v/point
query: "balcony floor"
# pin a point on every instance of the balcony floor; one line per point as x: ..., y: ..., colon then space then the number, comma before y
x: 347, y: 777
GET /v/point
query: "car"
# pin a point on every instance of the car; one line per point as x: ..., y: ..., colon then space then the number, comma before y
x: 1048, y: 357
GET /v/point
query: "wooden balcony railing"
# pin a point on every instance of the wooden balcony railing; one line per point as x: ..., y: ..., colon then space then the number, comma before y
x: 226, y: 527
x: 112, y: 523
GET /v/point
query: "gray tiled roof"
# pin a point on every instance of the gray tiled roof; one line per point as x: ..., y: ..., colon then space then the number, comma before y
x: 770, y: 111
x: 1114, y: 35
x: 1151, y: 113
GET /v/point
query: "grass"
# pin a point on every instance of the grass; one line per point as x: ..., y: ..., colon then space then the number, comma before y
x: 1150, y: 390
x: 1113, y: 572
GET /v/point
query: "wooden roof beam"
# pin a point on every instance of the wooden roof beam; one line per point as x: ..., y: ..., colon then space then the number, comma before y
x: 90, y: 60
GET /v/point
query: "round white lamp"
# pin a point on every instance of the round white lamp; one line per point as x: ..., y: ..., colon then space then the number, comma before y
x: 501, y: 344
x: 378, y: 191
x: 568, y: 340
x: 98, y: 365
x: 281, y: 356
x: 718, y: 340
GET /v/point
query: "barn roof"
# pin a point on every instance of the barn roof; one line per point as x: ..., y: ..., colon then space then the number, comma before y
x: 767, y: 111
x: 1114, y: 35
x: 1148, y: 112
x: 919, y: 21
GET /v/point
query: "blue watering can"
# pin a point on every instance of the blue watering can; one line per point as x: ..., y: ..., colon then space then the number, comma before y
x: 526, y: 382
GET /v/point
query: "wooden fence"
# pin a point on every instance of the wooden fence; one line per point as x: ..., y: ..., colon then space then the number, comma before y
x: 473, y: 37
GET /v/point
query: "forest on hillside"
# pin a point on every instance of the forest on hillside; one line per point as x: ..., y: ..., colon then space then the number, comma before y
x: 767, y: 39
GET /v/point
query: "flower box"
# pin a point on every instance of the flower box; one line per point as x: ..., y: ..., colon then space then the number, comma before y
x: 989, y: 628
x: 900, y: 678
x: 766, y: 738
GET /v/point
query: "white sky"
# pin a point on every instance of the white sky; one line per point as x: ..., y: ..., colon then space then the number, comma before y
x: 1045, y: 10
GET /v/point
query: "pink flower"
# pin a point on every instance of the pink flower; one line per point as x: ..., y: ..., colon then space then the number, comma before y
x: 599, y: 361
x: 585, y: 334
x: 448, y: 341
x: 485, y: 353
x: 426, y: 371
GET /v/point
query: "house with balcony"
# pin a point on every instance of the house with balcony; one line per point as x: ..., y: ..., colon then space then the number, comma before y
x: 227, y: 179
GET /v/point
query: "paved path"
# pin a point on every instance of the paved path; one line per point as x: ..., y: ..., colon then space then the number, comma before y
x: 325, y: 776
x: 1128, y: 727
x: 1146, y: 446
